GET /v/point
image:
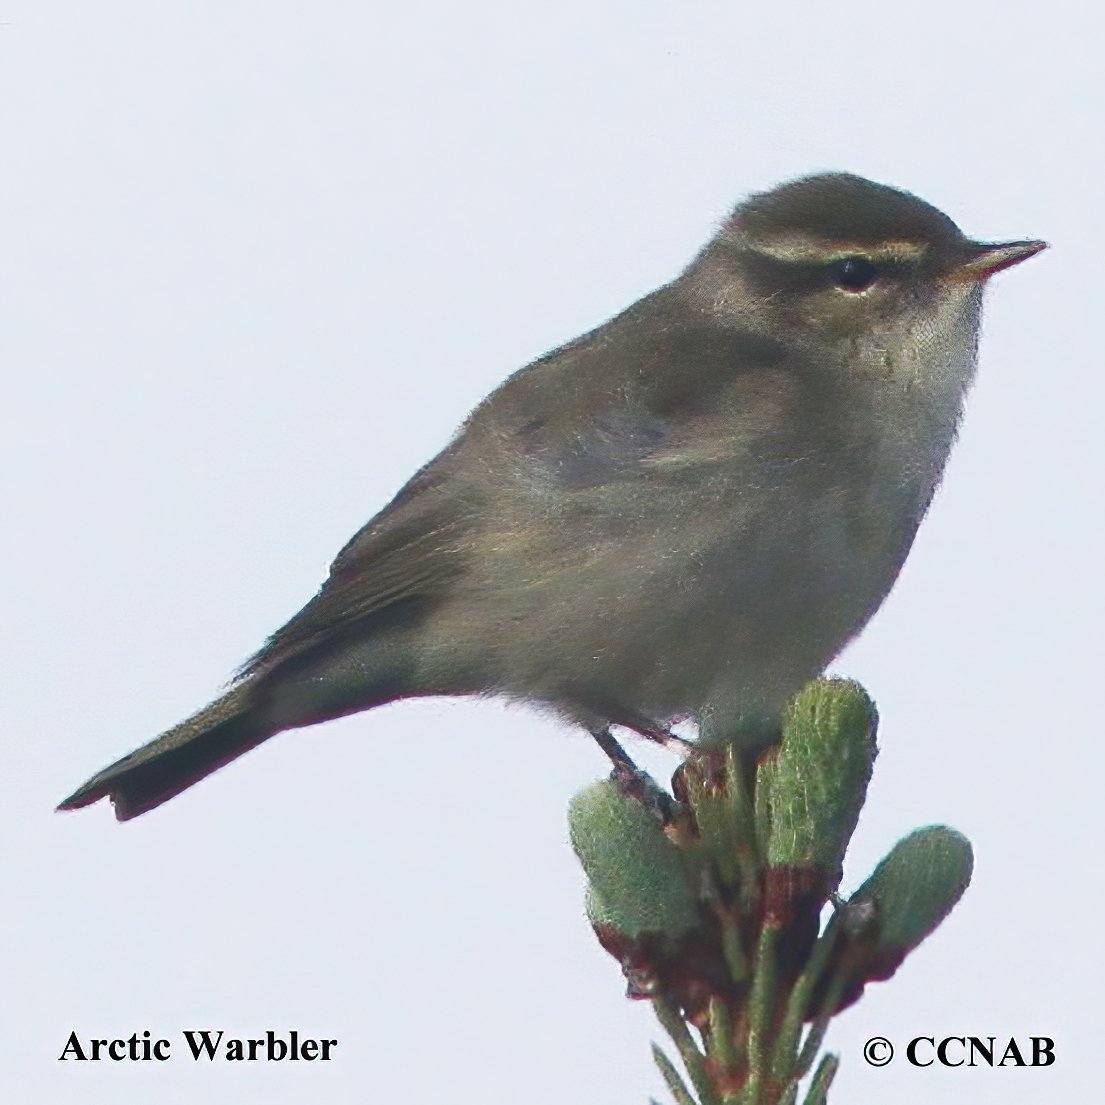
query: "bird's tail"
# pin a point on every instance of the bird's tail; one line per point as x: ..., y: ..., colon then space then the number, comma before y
x: 180, y: 757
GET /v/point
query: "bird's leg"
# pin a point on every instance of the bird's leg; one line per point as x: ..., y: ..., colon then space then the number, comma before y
x: 623, y: 765
x: 635, y: 783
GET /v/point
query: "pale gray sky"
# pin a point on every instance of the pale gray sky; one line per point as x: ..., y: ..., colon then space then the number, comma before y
x: 259, y: 261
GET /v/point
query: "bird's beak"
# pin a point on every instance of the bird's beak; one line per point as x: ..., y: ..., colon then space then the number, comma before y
x: 987, y: 259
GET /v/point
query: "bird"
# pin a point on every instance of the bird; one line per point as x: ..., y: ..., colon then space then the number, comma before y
x: 683, y: 514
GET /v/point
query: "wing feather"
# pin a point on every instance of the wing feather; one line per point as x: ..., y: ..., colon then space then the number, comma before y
x: 409, y: 553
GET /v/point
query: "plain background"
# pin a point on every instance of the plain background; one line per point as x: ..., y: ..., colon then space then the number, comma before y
x: 259, y: 260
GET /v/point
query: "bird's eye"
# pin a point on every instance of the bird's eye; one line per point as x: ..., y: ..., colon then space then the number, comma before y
x: 853, y: 274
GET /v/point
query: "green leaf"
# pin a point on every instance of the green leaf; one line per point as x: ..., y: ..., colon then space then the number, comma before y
x: 637, y: 875
x: 671, y: 1076
x: 815, y: 784
x: 911, y: 891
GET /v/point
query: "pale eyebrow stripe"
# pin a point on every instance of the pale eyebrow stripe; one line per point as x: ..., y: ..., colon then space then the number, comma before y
x: 801, y: 249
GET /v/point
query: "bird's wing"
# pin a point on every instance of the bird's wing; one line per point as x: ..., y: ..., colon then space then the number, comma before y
x: 654, y: 389
x: 409, y: 553
x: 643, y: 395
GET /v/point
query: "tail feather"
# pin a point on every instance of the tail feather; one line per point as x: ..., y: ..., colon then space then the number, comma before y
x: 179, y: 757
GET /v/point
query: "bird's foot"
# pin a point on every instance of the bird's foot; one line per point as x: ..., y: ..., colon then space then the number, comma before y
x: 658, y: 734
x: 635, y: 783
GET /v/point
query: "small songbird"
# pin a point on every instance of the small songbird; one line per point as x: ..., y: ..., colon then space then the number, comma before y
x: 685, y: 513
